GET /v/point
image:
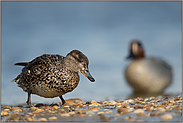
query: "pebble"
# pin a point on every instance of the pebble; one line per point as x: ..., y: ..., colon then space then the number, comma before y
x: 95, y: 109
x: 90, y: 113
x: 138, y: 111
x: 7, y: 110
x: 130, y: 101
x: 52, y: 118
x: 110, y: 103
x: 65, y: 106
x: 124, y: 106
x: 48, y: 108
x: 74, y: 100
x: 166, y: 117
x: 78, y: 111
x: 4, y: 113
x: 161, y: 109
x: 33, y: 108
x: 55, y: 107
x: 100, y: 112
x: 38, y: 110
x: 7, y: 107
x: 141, y: 114
x: 72, y: 112
x: 152, y: 98
x: 93, y: 101
x: 29, y: 119
x: 30, y: 114
x: 28, y: 106
x: 16, y: 109
x: 123, y: 110
x: 82, y: 106
x: 109, y: 111
x: 149, y: 108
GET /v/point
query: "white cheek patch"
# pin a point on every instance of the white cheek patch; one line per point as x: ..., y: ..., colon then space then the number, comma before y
x: 135, y: 48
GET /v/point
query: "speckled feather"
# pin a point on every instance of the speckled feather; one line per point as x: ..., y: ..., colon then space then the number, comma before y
x: 52, y: 75
x: 46, y: 76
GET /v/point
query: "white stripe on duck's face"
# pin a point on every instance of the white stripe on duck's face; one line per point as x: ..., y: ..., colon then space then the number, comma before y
x: 135, y: 48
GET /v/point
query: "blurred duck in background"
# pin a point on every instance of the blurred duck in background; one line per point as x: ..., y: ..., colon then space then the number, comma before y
x: 147, y: 75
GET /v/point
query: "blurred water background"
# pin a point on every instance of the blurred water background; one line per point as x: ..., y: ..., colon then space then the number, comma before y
x: 101, y: 30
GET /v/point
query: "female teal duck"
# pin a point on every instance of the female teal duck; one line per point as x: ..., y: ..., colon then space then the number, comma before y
x: 53, y: 75
x: 150, y: 75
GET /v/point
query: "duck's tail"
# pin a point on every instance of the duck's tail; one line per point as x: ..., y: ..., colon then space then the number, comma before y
x: 15, y: 80
x: 22, y: 63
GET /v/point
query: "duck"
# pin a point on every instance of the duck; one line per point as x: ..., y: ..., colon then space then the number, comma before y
x: 52, y: 75
x: 147, y: 74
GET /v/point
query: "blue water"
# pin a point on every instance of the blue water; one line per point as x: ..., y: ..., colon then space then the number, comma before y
x: 101, y: 30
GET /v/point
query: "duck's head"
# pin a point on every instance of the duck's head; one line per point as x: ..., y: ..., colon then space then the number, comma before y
x: 78, y: 62
x: 136, y: 50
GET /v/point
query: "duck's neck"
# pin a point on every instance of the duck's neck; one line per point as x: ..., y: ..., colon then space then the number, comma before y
x: 136, y: 55
x: 71, y: 64
x: 139, y: 54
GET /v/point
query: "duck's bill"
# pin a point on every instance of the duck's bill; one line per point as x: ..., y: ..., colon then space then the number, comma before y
x: 88, y: 75
x: 130, y: 56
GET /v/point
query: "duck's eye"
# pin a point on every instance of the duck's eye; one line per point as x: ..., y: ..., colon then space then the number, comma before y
x: 87, y: 71
x: 139, y: 44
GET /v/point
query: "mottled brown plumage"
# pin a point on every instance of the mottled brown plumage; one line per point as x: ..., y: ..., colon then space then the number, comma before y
x: 53, y: 75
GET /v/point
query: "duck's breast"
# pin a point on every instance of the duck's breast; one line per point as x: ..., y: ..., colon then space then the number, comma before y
x: 55, y: 82
x: 149, y: 74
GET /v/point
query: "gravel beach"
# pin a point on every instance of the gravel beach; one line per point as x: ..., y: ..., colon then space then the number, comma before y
x: 135, y: 109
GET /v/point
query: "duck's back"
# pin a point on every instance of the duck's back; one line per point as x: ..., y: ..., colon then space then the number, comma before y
x: 149, y: 75
x: 47, y: 76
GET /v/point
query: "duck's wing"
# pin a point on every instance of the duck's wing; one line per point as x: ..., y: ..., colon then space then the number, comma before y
x: 27, y: 66
x: 44, y: 60
x: 163, y: 63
